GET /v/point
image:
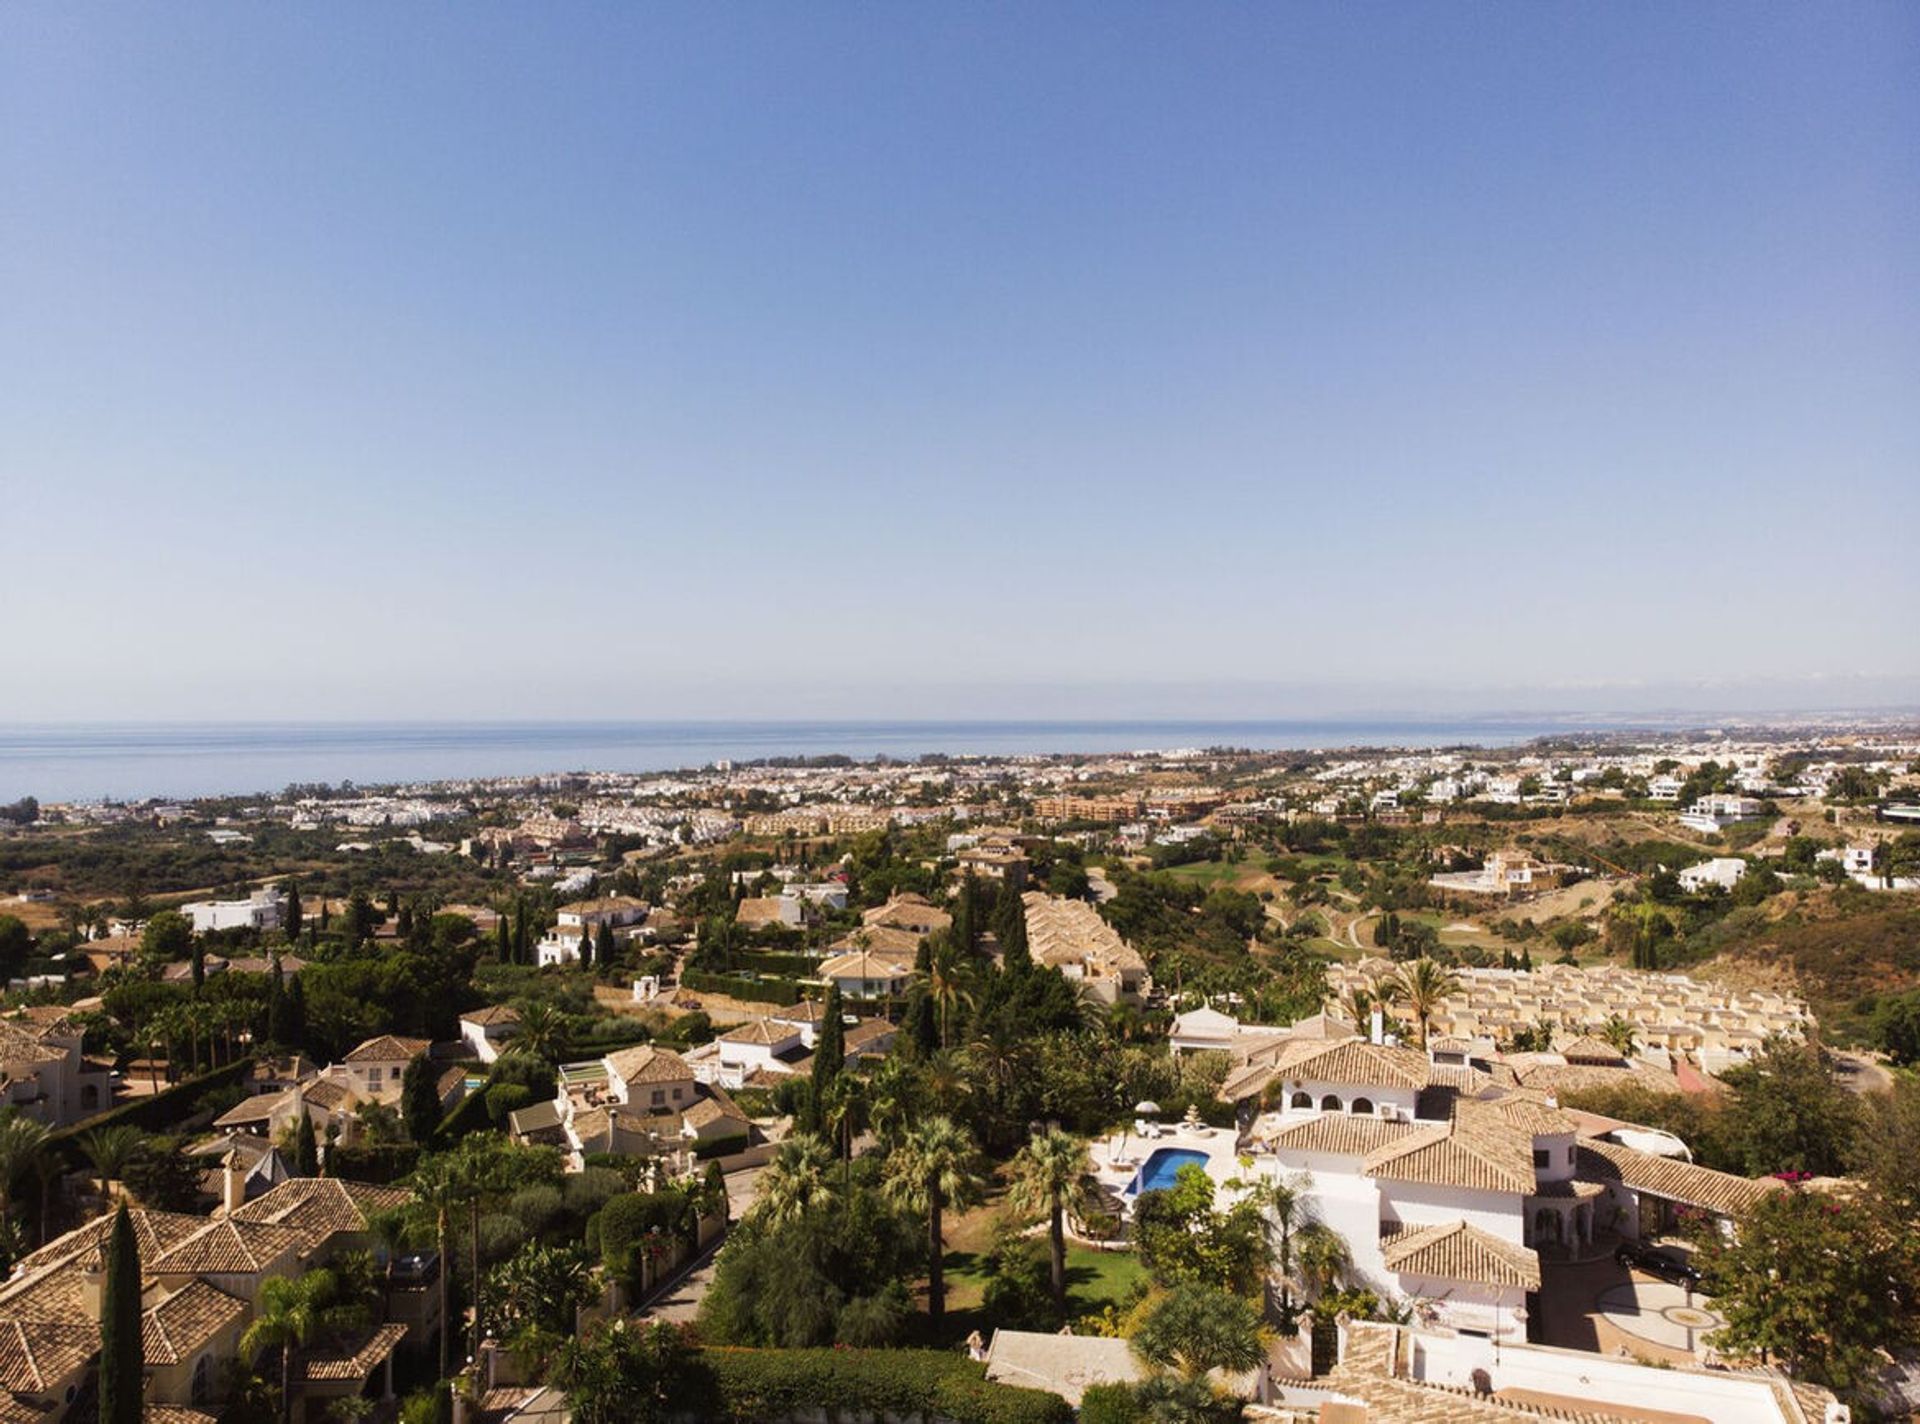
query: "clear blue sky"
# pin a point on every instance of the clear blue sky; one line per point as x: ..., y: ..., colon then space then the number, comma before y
x: 568, y: 360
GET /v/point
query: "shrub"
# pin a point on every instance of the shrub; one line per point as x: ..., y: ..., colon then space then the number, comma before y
x: 766, y: 1384
x: 505, y: 1098
x: 1110, y: 1404
x: 589, y: 1190
x: 538, y: 1206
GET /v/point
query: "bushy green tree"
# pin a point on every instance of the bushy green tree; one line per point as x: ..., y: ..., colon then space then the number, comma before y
x: 1816, y: 1283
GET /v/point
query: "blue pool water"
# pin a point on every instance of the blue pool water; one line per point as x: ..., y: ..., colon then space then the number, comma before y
x: 1156, y: 1174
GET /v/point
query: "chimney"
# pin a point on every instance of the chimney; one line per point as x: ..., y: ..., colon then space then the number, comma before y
x: 1377, y: 1029
x: 233, y: 1183
x: 93, y: 1284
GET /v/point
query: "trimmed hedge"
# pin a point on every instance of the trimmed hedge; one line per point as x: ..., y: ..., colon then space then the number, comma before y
x: 162, y: 1111
x: 722, y: 1146
x: 789, y: 966
x: 758, y: 1385
x: 380, y: 1165
x: 754, y: 991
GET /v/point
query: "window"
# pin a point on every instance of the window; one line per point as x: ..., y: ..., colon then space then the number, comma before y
x: 203, y: 1379
x: 1361, y: 1105
x: 1302, y: 1100
x: 373, y: 1077
x: 1569, y: 1154
x: 1329, y: 1103
x: 1541, y: 1157
x: 659, y: 1098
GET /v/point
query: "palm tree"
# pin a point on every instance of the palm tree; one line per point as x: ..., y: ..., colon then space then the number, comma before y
x: 542, y: 1026
x: 1323, y: 1257
x: 1618, y: 1033
x: 944, y: 1081
x: 946, y: 971
x: 893, y: 1093
x: 795, y: 1182
x: 843, y: 1113
x: 23, y: 1146
x: 1197, y: 1329
x: 1425, y: 985
x: 438, y: 1187
x: 935, y: 1167
x: 111, y: 1150
x: 1050, y: 1176
x: 289, y: 1313
x: 1283, y: 1205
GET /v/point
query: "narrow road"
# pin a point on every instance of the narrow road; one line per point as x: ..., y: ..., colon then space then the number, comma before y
x: 681, y: 1302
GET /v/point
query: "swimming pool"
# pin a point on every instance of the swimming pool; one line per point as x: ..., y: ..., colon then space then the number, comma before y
x: 1157, y: 1173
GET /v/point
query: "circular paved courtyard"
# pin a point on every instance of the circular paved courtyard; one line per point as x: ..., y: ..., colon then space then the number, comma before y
x: 1659, y: 1313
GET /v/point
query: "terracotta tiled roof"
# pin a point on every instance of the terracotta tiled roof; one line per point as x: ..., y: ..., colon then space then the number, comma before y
x: 1355, y: 1063
x: 327, y: 1094
x: 1454, y: 1156
x: 322, y: 1206
x: 1522, y: 1114
x: 761, y: 1031
x: 1456, y: 1251
x: 361, y: 1362
x: 153, y: 1232
x: 492, y: 1014
x: 1346, y: 1134
x: 1668, y: 1177
x: 863, y: 964
x: 35, y: 1356
x: 231, y: 1248
x: 712, y: 1110
x: 21, y: 1047
x: 1368, y: 1372
x: 647, y: 1064
x: 881, y: 939
x: 180, y: 1326
x: 388, y: 1048
x: 176, y: 1414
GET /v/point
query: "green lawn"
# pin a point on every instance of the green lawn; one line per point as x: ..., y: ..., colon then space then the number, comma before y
x: 1095, y: 1280
x: 1210, y: 872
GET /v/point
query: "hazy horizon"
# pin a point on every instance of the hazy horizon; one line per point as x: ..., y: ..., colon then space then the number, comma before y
x: 1120, y: 360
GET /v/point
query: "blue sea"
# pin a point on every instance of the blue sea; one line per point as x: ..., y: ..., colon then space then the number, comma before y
x: 127, y: 761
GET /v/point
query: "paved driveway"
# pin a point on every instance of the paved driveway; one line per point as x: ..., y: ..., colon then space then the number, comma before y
x: 682, y: 1299
x: 1604, y: 1307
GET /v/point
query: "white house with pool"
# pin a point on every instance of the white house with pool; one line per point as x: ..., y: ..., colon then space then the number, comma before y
x: 1446, y: 1184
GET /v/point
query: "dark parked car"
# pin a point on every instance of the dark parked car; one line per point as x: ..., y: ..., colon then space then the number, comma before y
x: 1665, y: 1265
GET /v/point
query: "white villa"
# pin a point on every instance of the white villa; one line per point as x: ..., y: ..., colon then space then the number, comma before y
x: 1722, y: 872
x: 485, y: 1030
x: 264, y: 909
x: 1713, y: 814
x: 636, y: 1102
x: 1446, y: 1184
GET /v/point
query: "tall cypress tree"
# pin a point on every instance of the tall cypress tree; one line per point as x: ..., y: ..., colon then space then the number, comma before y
x: 295, y: 1033
x: 829, y: 1045
x: 586, y: 948
x: 276, y: 1001
x: 306, y: 1152
x: 291, y: 923
x: 122, y: 1359
x: 503, y: 939
x: 420, y: 1100
x: 603, y: 945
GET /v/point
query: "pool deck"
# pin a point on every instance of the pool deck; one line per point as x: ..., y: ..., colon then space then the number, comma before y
x: 1118, y: 1156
